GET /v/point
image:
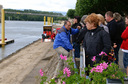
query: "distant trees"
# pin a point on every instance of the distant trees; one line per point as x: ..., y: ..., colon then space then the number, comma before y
x: 101, y: 6
x: 31, y: 17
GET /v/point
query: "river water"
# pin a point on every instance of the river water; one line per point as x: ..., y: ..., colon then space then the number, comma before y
x: 23, y: 33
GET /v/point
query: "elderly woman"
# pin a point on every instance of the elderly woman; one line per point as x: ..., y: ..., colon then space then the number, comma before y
x: 102, y: 22
x: 96, y: 40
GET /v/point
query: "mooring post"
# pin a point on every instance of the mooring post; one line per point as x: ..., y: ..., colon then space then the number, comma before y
x: 3, y: 27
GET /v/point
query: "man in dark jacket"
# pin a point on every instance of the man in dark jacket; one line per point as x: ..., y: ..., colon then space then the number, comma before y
x: 112, y: 26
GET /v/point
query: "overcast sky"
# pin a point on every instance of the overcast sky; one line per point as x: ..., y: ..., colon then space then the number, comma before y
x: 43, y: 5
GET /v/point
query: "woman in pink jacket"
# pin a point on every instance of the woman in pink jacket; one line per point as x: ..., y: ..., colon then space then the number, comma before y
x: 124, y: 47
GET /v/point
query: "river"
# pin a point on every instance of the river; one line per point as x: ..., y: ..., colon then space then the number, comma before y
x: 23, y: 33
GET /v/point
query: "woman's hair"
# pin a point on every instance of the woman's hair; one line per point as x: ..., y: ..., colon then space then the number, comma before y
x: 78, y: 18
x: 117, y: 16
x: 101, y: 18
x: 92, y: 18
x: 83, y: 18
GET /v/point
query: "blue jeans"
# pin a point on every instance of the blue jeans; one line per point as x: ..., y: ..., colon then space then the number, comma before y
x: 125, y: 59
x: 116, y: 51
x: 77, y: 50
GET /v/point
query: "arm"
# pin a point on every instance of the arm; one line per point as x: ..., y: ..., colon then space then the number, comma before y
x: 74, y: 31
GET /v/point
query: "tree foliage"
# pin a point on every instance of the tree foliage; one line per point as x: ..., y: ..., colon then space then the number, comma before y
x: 31, y: 17
x: 71, y: 13
x: 84, y: 7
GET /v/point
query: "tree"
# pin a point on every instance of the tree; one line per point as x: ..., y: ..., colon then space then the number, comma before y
x: 71, y: 13
x: 100, y: 6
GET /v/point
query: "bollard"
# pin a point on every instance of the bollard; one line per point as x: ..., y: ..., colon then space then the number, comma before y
x: 3, y: 27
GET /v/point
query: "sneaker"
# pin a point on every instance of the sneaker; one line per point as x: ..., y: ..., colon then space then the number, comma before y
x: 126, y: 78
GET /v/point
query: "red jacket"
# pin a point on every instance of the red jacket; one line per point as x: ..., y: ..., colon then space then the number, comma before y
x: 53, y: 36
x: 124, y: 36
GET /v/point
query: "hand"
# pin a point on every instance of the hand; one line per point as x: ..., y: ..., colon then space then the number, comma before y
x: 79, y: 27
x: 114, y: 46
x: 73, y: 49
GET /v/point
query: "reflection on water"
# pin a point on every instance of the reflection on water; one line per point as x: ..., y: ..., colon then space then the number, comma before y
x: 23, y: 33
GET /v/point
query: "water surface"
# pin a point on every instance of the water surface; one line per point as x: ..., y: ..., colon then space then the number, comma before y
x: 23, y: 33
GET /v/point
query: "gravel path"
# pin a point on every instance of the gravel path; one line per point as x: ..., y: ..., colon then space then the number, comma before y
x: 14, y: 69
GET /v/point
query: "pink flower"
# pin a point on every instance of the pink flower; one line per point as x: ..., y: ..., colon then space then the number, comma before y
x: 99, y: 69
x: 67, y: 70
x: 41, y: 72
x: 94, y: 58
x: 103, y: 53
x: 92, y: 69
x: 113, y: 75
x: 63, y: 57
x: 63, y: 82
x: 111, y: 64
x: 104, y: 65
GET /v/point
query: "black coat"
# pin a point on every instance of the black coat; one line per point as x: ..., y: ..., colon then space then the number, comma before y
x: 75, y: 35
x: 112, y: 26
x: 120, y: 28
x: 95, y: 41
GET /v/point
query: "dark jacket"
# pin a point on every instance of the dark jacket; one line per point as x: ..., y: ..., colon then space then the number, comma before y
x: 95, y: 41
x: 74, y: 26
x: 112, y: 26
x: 62, y: 38
x: 120, y: 29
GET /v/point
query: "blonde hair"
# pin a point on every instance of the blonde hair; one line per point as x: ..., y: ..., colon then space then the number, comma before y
x: 101, y: 18
x: 92, y: 18
x: 117, y: 16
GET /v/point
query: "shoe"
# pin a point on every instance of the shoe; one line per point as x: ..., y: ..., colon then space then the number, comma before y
x: 126, y: 78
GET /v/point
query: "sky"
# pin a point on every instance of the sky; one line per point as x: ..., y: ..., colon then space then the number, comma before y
x: 42, y: 5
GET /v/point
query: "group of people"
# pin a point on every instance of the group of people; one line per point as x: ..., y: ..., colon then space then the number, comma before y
x: 96, y: 35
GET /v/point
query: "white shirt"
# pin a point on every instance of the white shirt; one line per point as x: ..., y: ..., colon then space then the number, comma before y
x: 126, y: 51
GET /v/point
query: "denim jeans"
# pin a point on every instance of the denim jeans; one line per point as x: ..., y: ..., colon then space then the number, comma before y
x: 77, y: 50
x: 125, y: 59
x: 116, y: 51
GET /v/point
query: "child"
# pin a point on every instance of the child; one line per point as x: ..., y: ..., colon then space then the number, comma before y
x: 124, y: 47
